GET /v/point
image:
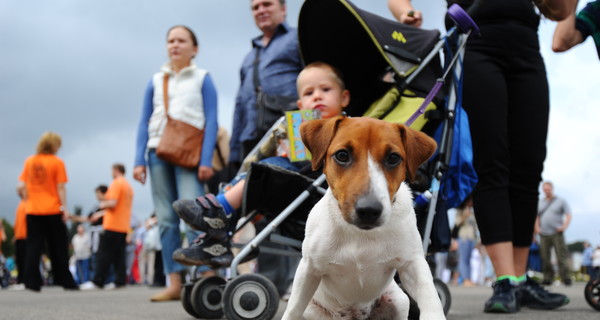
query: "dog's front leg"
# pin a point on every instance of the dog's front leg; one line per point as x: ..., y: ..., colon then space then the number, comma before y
x: 417, y: 280
x: 306, y: 282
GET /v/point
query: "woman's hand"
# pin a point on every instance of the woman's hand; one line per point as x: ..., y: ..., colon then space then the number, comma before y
x: 404, y: 12
x: 205, y: 173
x: 139, y: 174
x: 413, y: 18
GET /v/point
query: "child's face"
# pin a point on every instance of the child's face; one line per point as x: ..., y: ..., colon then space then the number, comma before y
x: 318, y: 90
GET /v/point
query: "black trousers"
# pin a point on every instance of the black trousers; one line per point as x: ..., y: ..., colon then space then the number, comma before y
x: 506, y: 98
x: 21, y: 256
x: 52, y: 230
x: 111, y: 252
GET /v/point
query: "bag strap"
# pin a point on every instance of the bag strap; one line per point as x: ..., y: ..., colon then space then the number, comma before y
x: 547, y: 207
x: 166, y: 93
x: 256, y: 80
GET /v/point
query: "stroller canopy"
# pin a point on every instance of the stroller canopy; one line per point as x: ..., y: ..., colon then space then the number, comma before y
x: 362, y: 45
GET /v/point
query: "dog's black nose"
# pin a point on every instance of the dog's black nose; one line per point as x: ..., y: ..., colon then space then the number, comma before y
x: 368, y: 211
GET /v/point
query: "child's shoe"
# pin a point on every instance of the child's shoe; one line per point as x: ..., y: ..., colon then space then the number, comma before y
x: 205, y: 213
x: 206, y: 251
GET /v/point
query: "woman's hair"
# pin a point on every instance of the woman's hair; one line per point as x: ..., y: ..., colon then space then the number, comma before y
x: 49, y: 143
x: 192, y: 35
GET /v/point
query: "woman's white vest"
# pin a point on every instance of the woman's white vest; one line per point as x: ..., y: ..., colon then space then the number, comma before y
x: 185, y: 100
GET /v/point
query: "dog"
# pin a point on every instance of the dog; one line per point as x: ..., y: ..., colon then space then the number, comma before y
x: 364, y: 228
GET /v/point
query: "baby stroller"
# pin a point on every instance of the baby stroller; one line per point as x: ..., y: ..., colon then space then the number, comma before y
x: 592, y: 292
x: 368, y: 49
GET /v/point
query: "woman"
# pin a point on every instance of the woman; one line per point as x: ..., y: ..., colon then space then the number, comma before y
x: 506, y: 98
x: 467, y: 239
x: 43, y: 182
x: 193, y: 99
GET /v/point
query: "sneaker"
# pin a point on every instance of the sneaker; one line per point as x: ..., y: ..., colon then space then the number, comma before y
x: 17, y: 287
x: 87, y: 286
x: 110, y: 286
x: 504, y: 299
x: 205, y: 213
x: 205, y: 251
x: 536, y: 297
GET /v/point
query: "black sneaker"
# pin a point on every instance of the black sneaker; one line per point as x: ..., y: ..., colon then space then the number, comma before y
x: 536, y: 297
x: 205, y: 214
x: 504, y: 299
x: 205, y: 251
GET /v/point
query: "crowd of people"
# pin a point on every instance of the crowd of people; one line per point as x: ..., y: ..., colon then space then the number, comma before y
x: 505, y: 93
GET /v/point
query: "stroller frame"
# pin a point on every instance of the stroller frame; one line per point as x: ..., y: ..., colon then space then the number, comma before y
x: 258, y: 286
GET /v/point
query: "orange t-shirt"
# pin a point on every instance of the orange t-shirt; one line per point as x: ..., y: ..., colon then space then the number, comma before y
x: 21, y: 222
x: 41, y: 174
x: 118, y: 219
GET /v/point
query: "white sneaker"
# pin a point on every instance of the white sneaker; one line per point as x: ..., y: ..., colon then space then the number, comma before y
x: 88, y: 286
x: 110, y: 286
x: 17, y: 287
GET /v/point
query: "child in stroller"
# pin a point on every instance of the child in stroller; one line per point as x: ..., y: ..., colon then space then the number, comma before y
x: 320, y: 87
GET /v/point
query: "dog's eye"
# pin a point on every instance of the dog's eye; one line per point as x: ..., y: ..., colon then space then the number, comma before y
x: 393, y: 160
x: 342, y: 157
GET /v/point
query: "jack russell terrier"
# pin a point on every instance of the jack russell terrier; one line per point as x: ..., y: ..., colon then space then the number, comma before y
x: 364, y: 229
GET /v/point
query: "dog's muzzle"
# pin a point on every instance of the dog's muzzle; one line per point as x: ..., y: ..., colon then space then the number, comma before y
x: 368, y: 211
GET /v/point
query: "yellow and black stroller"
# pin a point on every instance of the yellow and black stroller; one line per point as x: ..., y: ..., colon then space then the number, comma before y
x: 393, y: 72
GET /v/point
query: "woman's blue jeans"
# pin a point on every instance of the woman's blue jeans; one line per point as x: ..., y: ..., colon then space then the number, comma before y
x: 169, y: 183
x: 465, y: 248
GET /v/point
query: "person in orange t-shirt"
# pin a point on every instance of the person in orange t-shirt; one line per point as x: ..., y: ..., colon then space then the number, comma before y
x: 116, y: 213
x: 43, y: 180
x: 20, y: 236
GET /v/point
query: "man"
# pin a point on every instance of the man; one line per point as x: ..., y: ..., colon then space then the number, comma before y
x: 116, y: 214
x: 279, y: 64
x: 554, y: 217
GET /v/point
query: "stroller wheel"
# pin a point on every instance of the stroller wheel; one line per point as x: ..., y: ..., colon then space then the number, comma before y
x: 186, y: 300
x: 462, y: 20
x: 592, y: 293
x: 206, y: 297
x: 444, y: 294
x: 250, y: 296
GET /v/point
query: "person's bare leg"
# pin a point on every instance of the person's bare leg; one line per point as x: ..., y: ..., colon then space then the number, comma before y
x: 520, y: 255
x: 235, y: 195
x: 502, y: 257
x: 172, y: 292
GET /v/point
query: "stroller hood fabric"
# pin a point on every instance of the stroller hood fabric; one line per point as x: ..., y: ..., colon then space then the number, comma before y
x: 363, y: 45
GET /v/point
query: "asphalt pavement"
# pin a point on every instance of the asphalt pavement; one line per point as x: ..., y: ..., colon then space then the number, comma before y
x: 132, y: 303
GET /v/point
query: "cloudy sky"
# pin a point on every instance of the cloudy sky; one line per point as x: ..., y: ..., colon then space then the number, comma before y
x: 80, y: 68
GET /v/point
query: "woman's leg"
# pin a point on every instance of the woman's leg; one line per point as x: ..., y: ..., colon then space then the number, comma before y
x: 164, y: 192
x: 58, y: 247
x: 35, y: 242
x: 21, y: 253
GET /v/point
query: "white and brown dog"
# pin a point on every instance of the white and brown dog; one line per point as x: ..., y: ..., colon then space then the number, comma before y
x: 364, y: 229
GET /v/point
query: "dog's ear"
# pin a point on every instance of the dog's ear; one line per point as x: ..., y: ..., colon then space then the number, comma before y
x: 419, y: 148
x: 317, y: 135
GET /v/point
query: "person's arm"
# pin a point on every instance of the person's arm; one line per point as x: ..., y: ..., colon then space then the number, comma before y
x: 556, y: 10
x: 537, y: 227
x: 566, y: 35
x: 139, y: 170
x: 566, y: 222
x: 404, y: 12
x: 235, y: 153
x: 211, y: 127
x: 62, y: 196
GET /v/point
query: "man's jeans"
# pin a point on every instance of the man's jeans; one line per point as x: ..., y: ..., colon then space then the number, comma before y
x: 557, y: 241
x: 83, y: 270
